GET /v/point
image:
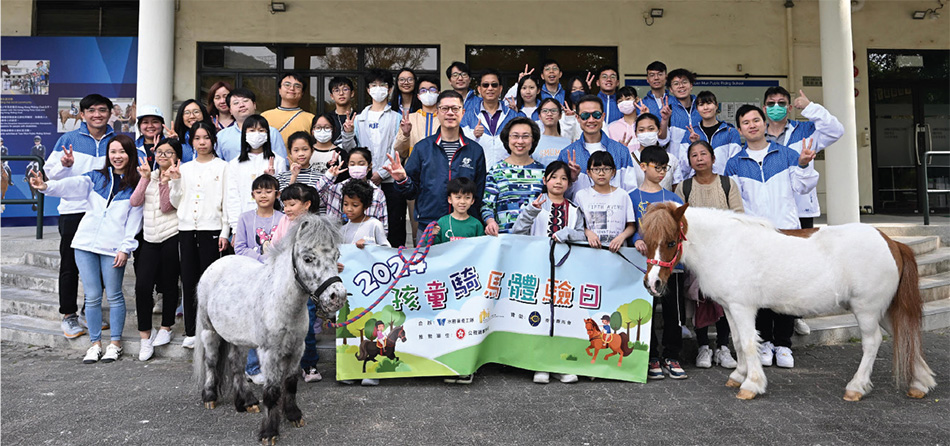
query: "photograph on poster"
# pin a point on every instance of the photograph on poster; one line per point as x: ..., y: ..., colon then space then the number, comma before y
x: 122, y: 120
x: 29, y: 77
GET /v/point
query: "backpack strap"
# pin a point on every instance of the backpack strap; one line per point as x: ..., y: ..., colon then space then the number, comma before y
x: 726, y: 185
x: 281, y: 129
x: 687, y: 188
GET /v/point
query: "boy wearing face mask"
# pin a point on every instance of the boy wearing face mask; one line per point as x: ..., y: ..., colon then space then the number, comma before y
x: 376, y: 128
x: 423, y: 123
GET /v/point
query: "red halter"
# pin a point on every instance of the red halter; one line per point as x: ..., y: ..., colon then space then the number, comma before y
x: 679, y: 251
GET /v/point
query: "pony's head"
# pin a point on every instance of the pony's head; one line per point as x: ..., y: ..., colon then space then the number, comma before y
x: 664, y: 230
x: 314, y: 243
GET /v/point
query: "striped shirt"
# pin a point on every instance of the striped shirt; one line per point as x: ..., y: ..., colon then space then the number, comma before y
x: 332, y: 195
x: 306, y: 176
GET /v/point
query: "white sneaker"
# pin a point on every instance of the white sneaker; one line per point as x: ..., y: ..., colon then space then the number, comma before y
x: 92, y: 354
x: 146, y: 347
x: 567, y: 379
x: 112, y: 353
x: 704, y: 358
x: 188, y: 342
x: 256, y: 379
x: 157, y: 309
x: 311, y: 375
x: 801, y: 327
x: 766, y: 353
x: 369, y: 382
x: 783, y: 357
x: 723, y: 357
x: 163, y: 337
x: 542, y: 377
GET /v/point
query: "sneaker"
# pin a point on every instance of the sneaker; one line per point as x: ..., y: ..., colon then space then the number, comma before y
x: 687, y: 333
x: 146, y: 347
x: 71, y: 327
x: 92, y: 355
x: 163, y: 337
x: 311, y: 374
x: 461, y: 379
x: 369, y: 382
x: 188, y: 342
x: 766, y: 353
x: 723, y: 357
x: 704, y: 358
x: 542, y: 377
x: 566, y: 379
x: 801, y: 327
x: 82, y: 321
x: 784, y: 358
x: 655, y: 371
x: 112, y: 353
x: 673, y: 368
x: 348, y: 382
x: 256, y: 379
x: 180, y: 311
x: 157, y: 309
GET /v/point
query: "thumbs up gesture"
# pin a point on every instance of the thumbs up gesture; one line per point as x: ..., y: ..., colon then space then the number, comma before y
x: 479, y: 130
x: 801, y: 101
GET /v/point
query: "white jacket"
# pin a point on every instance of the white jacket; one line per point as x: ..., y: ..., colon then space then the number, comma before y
x: 534, y: 221
x: 388, y: 126
x: 199, y: 196
x: 108, y: 227
x: 157, y: 226
x: 241, y: 176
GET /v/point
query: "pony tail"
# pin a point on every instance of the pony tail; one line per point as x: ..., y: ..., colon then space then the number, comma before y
x: 905, y: 313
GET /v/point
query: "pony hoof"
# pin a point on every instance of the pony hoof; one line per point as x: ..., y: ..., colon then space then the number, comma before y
x: 298, y: 423
x: 253, y: 409
x: 852, y: 395
x: 916, y: 393
x: 269, y: 441
x: 733, y: 383
x: 209, y: 404
x: 745, y: 394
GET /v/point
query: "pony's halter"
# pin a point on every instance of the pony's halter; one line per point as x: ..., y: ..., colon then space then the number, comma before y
x: 315, y: 294
x: 679, y: 251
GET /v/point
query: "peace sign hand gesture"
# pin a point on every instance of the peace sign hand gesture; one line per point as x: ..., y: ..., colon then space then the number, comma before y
x: 36, y: 181
x: 641, y: 107
x: 405, y: 125
x: 395, y: 168
x: 270, y: 166
x: 625, y: 140
x: 68, y: 159
x: 693, y: 136
x: 539, y: 201
x: 144, y: 169
x: 348, y: 124
x: 572, y: 163
x: 335, y: 164
x: 171, y: 133
x: 666, y: 111
x: 801, y: 101
x: 525, y: 72
x: 174, y: 171
x: 590, y: 79
x: 512, y: 103
x: 568, y: 111
x: 807, y: 153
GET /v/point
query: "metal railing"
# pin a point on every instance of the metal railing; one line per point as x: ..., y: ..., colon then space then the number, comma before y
x: 38, y: 201
x: 928, y: 191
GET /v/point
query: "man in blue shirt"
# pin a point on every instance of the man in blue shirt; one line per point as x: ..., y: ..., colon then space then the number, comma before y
x: 243, y: 103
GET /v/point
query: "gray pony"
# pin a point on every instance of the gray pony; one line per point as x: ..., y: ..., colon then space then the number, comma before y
x: 244, y: 304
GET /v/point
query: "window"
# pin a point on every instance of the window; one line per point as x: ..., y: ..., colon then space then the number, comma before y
x: 257, y: 67
x: 510, y: 60
x: 86, y: 18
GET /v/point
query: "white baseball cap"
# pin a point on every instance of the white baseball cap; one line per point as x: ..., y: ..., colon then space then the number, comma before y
x: 150, y: 110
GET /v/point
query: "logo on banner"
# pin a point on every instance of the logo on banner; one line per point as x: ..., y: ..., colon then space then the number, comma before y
x: 441, y: 322
x: 534, y: 318
x: 460, y: 333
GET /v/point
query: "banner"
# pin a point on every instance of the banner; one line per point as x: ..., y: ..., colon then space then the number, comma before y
x: 488, y: 299
x: 43, y: 80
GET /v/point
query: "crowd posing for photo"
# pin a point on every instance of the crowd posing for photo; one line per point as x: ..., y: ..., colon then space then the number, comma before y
x: 540, y: 159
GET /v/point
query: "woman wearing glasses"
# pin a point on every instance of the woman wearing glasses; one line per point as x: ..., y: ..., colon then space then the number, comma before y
x: 190, y: 112
x: 552, y: 141
x: 404, y: 95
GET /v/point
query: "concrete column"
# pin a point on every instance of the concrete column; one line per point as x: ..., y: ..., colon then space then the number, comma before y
x: 156, y: 59
x: 841, y: 166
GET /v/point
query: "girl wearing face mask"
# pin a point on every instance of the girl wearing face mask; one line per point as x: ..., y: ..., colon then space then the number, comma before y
x: 405, y: 95
x: 651, y: 133
x: 625, y: 130
x: 255, y: 159
x: 358, y: 164
x: 325, y: 130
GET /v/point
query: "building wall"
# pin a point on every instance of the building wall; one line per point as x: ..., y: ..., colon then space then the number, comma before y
x: 709, y: 36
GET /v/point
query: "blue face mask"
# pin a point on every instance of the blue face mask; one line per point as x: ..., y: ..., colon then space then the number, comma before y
x: 576, y: 96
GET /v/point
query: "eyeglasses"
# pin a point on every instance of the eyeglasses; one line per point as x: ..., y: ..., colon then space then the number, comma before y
x: 552, y: 69
x: 550, y: 111
x: 406, y: 80
x: 430, y: 90
x: 587, y: 115
x: 340, y: 90
x: 601, y: 170
x: 515, y: 136
x: 680, y: 84
x: 191, y: 113
x: 324, y: 128
x: 490, y: 84
x: 453, y: 109
x: 458, y: 75
x: 98, y: 110
x: 164, y: 154
x: 608, y: 76
x: 774, y: 103
x: 660, y: 169
x: 292, y: 86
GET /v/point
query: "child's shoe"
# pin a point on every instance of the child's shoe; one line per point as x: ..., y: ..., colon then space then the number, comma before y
x: 704, y: 358
x: 723, y: 357
x: 542, y: 377
x: 783, y: 357
x: 766, y: 353
x: 655, y: 371
x: 566, y: 379
x: 369, y: 382
x: 674, y: 369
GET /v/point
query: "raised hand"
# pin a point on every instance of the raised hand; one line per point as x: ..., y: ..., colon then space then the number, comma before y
x: 641, y: 107
x: 801, y: 101
x: 68, y: 159
x: 512, y: 103
x: 295, y: 168
x: 479, y: 130
x: 590, y: 79
x: 525, y: 72
x: 539, y: 201
x: 174, y: 171
x: 807, y: 153
x: 572, y: 163
x: 144, y: 169
x: 625, y: 140
x: 568, y: 111
x: 395, y: 168
x: 348, y: 124
x: 335, y: 164
x: 169, y: 132
x: 666, y: 111
x: 693, y: 136
x: 405, y: 125
x: 36, y: 181
x: 270, y: 166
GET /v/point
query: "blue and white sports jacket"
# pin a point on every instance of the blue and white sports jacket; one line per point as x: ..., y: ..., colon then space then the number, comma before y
x: 680, y: 121
x: 726, y: 143
x: 769, y: 190
x: 88, y: 154
x: 625, y: 176
x: 109, y: 226
x: 490, y: 142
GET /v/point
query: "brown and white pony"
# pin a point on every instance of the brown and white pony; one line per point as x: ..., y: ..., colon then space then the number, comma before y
x: 745, y: 264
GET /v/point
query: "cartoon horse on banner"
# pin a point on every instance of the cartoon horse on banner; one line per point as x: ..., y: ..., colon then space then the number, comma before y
x: 369, y: 350
x: 238, y: 310
x: 745, y: 264
x: 617, y: 343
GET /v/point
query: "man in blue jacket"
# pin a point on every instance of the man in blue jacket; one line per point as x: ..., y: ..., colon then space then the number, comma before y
x: 77, y: 152
x: 436, y: 160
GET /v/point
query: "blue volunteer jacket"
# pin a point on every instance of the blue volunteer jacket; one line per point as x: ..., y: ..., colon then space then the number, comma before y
x: 88, y: 154
x: 726, y: 143
x: 490, y: 142
x: 558, y: 95
x: 624, y: 178
x: 610, y: 108
x: 428, y: 171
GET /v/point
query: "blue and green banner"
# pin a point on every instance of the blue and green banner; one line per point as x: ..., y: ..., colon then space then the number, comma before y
x: 489, y: 299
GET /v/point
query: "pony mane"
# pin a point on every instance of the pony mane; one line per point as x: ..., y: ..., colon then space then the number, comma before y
x: 658, y: 222
x: 322, y: 232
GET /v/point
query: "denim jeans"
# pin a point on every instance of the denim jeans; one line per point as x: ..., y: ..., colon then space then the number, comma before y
x: 91, y: 265
x: 310, y: 355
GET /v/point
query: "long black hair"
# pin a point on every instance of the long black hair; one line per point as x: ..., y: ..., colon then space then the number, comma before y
x: 211, y: 132
x: 255, y: 121
x: 396, y: 98
x: 537, y: 83
x: 131, y: 177
x: 179, y: 126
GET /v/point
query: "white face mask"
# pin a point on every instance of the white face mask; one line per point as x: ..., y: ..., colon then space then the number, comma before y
x: 357, y: 172
x: 428, y: 98
x: 626, y: 107
x: 378, y: 93
x: 255, y: 139
x: 647, y: 139
x: 323, y: 135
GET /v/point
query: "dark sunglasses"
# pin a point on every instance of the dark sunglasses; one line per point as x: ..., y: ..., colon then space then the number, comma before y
x: 492, y: 85
x: 587, y: 115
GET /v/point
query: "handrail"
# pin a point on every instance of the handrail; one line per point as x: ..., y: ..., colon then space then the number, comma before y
x: 38, y: 201
x: 927, y: 192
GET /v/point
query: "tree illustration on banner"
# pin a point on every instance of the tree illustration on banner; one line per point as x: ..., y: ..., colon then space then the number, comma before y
x: 640, y: 312
x: 391, y: 316
x: 356, y: 328
x: 616, y: 321
x: 342, y: 316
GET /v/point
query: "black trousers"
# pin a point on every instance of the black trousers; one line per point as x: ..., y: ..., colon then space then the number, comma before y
x: 673, y: 311
x: 722, y: 333
x: 156, y: 264
x: 775, y: 327
x: 807, y: 222
x: 197, y: 250
x: 68, y: 272
x: 396, y: 208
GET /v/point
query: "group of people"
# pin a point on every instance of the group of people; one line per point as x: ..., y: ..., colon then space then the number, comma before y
x: 547, y: 160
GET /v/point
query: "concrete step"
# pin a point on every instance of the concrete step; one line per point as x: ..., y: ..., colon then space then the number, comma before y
x: 938, y: 227
x: 935, y: 262
x: 38, y: 278
x: 43, y: 259
x: 920, y: 244
x: 838, y: 329
x: 935, y: 287
x: 45, y: 305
